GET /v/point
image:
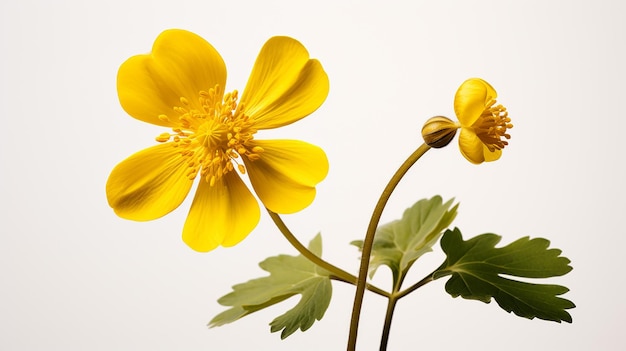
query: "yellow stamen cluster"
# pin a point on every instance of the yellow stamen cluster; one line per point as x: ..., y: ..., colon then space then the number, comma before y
x: 212, y: 135
x: 492, y: 125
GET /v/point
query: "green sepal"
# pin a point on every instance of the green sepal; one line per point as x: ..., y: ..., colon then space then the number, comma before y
x: 399, y: 243
x: 289, y: 276
x: 480, y: 271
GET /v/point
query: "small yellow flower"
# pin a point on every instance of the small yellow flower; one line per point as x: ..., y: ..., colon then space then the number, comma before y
x: 180, y: 85
x: 483, y: 123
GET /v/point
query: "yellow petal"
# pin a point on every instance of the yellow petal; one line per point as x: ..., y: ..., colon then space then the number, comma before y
x: 471, y: 146
x: 149, y: 184
x: 470, y: 100
x: 222, y: 214
x: 285, y: 176
x: 285, y: 85
x: 181, y: 65
x: 491, y: 155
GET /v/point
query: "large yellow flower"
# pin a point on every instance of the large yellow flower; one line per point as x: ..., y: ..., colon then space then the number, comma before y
x: 483, y: 123
x: 180, y: 85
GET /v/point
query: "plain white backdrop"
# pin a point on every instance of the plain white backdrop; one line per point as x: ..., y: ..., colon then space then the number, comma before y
x: 76, y: 277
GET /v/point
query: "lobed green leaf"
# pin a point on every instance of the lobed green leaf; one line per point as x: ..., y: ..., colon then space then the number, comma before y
x: 289, y: 276
x: 480, y: 271
x: 399, y: 243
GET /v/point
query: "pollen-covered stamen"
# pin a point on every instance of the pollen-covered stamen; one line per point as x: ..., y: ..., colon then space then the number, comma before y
x: 212, y: 134
x: 492, y: 126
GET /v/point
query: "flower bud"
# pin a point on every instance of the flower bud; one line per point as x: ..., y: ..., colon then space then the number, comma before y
x: 439, y: 131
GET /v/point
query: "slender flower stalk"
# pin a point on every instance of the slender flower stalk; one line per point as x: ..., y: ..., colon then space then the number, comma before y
x: 366, y: 249
x: 339, y: 273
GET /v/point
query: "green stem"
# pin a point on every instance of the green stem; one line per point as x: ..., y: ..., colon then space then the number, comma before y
x: 416, y: 286
x: 370, y: 287
x: 369, y: 240
x: 391, y: 305
x: 339, y: 274
x: 427, y: 279
x: 396, y: 295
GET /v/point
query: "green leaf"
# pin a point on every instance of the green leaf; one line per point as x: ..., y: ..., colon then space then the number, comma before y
x: 289, y: 276
x: 399, y: 243
x: 479, y: 271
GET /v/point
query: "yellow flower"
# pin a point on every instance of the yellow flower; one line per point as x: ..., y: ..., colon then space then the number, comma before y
x: 180, y: 85
x: 483, y: 123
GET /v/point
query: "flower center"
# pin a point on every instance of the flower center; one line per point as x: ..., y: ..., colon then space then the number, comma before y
x: 212, y: 136
x: 492, y: 125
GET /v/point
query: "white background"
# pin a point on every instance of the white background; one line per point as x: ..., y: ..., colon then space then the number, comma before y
x: 76, y: 277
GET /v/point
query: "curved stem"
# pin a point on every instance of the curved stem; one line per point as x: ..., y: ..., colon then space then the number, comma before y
x: 339, y: 273
x: 369, y: 239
